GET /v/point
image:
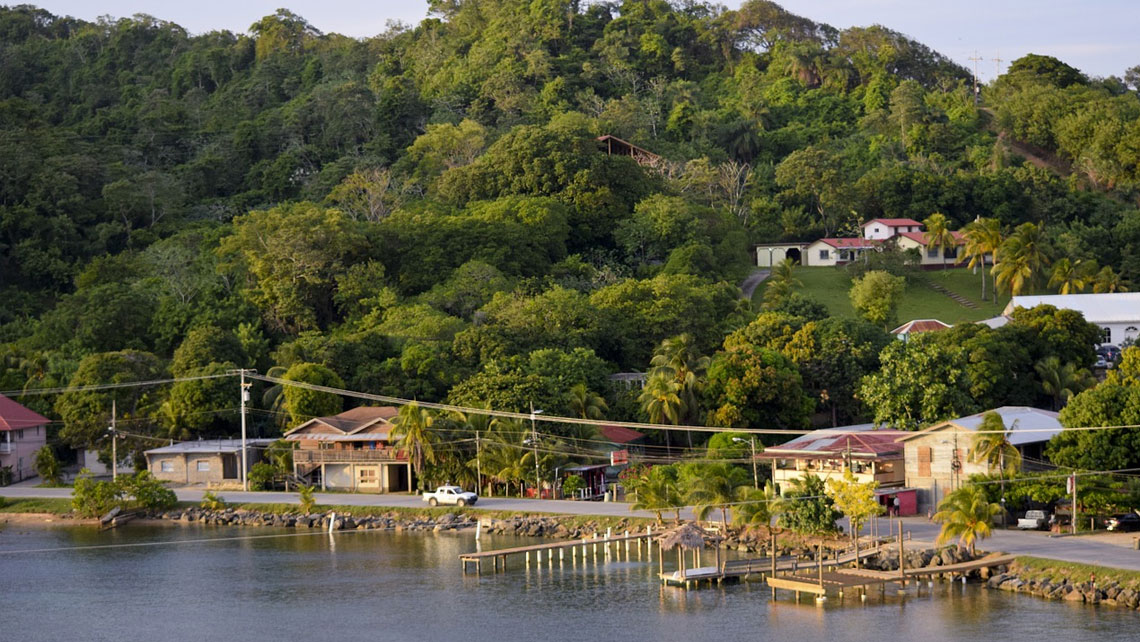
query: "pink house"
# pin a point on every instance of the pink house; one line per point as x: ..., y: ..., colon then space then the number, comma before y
x: 22, y: 433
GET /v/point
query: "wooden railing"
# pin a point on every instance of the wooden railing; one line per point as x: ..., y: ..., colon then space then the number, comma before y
x: 346, y: 456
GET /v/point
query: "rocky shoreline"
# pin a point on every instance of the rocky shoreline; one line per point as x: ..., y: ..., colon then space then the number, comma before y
x: 1090, y: 592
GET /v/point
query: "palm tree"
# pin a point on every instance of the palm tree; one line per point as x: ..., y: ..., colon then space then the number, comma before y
x: 983, y: 237
x: 1022, y: 258
x: 412, y: 433
x: 780, y: 282
x: 1108, y: 281
x: 661, y: 401
x: 678, y: 358
x: 758, y: 507
x: 1069, y: 276
x: 718, y: 486
x: 657, y: 491
x: 586, y: 404
x: 274, y: 396
x: 938, y: 234
x: 991, y: 446
x: 1062, y: 382
x: 966, y: 514
x: 479, y: 425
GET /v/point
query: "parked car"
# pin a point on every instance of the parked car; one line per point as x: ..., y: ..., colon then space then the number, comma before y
x: 1034, y: 520
x: 1125, y: 523
x: 450, y: 495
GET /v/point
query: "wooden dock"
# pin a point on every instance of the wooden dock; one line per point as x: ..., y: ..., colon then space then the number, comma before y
x: 759, y: 568
x: 840, y: 580
x: 608, y: 545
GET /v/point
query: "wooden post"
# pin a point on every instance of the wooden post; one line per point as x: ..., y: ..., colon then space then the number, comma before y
x: 681, y: 561
x: 819, y: 558
x: 660, y: 559
x: 772, y: 532
x: 902, y: 558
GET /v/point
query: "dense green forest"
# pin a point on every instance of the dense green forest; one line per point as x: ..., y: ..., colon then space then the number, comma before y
x: 427, y: 213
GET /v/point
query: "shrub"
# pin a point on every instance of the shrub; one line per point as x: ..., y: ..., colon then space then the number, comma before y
x: 212, y: 501
x: 260, y: 475
x: 47, y: 466
x: 307, y: 499
x: 571, y: 485
x: 148, y: 492
x: 92, y: 498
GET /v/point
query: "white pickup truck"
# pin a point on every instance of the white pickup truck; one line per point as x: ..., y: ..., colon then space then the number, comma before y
x: 450, y: 495
x: 1034, y: 520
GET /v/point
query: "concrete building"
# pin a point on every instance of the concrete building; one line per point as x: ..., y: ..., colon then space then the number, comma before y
x: 22, y: 432
x: 931, y: 256
x: 830, y: 252
x: 207, y: 461
x: 1117, y: 313
x: 937, y: 458
x: 351, y: 451
x: 769, y: 254
x: 874, y: 455
x: 885, y: 228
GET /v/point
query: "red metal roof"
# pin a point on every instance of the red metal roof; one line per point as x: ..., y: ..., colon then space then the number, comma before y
x: 920, y: 237
x: 13, y: 416
x: 893, y: 222
x: 852, y: 243
x: 833, y: 443
x: 619, y: 434
x: 921, y: 325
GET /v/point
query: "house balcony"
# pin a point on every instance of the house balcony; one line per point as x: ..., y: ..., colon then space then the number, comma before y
x: 346, y: 456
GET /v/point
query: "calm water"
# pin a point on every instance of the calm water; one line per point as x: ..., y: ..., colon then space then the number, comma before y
x: 392, y: 586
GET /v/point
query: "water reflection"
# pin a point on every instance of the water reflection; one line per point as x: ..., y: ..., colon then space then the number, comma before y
x: 360, y: 583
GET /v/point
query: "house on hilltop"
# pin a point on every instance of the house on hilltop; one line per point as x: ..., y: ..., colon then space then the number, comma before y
x: 1117, y: 313
x: 882, y: 229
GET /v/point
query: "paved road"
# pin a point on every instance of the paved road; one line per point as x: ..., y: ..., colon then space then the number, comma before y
x: 513, y: 504
x: 748, y: 286
x: 1105, y: 550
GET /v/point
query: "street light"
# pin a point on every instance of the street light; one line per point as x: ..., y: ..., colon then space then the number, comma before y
x: 534, y: 441
x: 755, y: 475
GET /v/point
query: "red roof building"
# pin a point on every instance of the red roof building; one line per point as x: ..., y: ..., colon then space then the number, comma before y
x: 22, y: 432
x: 918, y: 326
x: 885, y: 228
x: 873, y: 455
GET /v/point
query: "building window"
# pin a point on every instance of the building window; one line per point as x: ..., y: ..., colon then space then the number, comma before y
x: 1106, y: 335
x: 19, y: 434
x: 166, y: 466
x: 203, y: 466
x: 951, y: 253
x: 824, y: 255
x: 924, y: 457
x: 932, y: 252
x: 367, y: 476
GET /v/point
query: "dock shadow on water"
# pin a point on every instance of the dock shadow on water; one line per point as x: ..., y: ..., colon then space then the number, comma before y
x: 147, y: 582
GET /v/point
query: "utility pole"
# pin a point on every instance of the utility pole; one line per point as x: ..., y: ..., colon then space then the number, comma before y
x: 975, y: 58
x: 755, y: 473
x: 245, y: 385
x: 114, y: 444
x: 534, y: 442
x: 997, y: 65
x: 478, y: 463
x: 1073, y: 492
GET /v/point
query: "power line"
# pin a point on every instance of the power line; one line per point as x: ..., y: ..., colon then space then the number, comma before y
x: 106, y: 386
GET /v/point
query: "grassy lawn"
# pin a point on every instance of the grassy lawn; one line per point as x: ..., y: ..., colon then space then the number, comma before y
x: 830, y: 286
x: 54, y: 506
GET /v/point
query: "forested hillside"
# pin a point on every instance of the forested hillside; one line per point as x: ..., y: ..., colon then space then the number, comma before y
x: 427, y: 213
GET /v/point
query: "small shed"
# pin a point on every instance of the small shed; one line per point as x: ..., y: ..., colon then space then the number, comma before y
x: 907, y: 501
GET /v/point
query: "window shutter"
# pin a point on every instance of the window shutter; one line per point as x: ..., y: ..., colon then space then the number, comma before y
x: 924, y: 454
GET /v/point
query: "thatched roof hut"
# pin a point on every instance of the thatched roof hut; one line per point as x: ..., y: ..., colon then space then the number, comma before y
x: 687, y: 536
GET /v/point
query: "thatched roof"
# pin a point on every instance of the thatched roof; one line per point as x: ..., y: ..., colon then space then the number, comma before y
x: 687, y: 536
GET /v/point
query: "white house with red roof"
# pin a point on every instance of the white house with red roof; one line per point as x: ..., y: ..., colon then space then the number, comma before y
x: 834, y: 251
x: 932, y: 255
x: 22, y: 433
x: 882, y: 229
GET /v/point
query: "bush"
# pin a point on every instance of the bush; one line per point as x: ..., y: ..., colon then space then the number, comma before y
x: 212, y: 501
x: 260, y: 475
x: 571, y: 485
x: 48, y: 467
x: 307, y: 499
x: 92, y: 498
x: 148, y: 492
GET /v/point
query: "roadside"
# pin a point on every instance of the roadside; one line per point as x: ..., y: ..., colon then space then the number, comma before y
x: 749, y: 285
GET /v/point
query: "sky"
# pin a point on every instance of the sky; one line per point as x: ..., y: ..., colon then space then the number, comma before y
x: 1096, y: 36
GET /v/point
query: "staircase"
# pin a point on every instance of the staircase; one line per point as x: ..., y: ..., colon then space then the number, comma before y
x: 958, y: 298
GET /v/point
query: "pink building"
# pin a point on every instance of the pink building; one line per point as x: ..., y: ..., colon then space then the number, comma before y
x: 22, y: 433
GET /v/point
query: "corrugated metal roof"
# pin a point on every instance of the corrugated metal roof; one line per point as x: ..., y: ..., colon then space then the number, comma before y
x: 921, y: 325
x: 863, y: 440
x: 620, y: 434
x: 1025, y: 425
x: 208, y: 446
x: 367, y: 436
x: 893, y: 222
x: 920, y: 237
x: 14, y: 416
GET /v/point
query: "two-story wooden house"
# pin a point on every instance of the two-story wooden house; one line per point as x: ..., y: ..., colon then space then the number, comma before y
x: 351, y: 451
x: 22, y: 433
x: 872, y: 455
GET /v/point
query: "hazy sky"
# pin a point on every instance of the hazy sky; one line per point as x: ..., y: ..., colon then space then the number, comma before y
x: 1097, y: 36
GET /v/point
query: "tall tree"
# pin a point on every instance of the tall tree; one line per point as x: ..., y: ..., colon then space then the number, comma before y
x: 1062, y: 381
x: 1022, y: 259
x: 938, y: 234
x: 983, y: 238
x: 412, y: 433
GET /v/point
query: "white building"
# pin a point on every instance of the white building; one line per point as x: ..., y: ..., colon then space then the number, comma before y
x: 1117, y: 313
x: 769, y: 254
x: 885, y: 228
x: 829, y: 252
x: 931, y: 255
